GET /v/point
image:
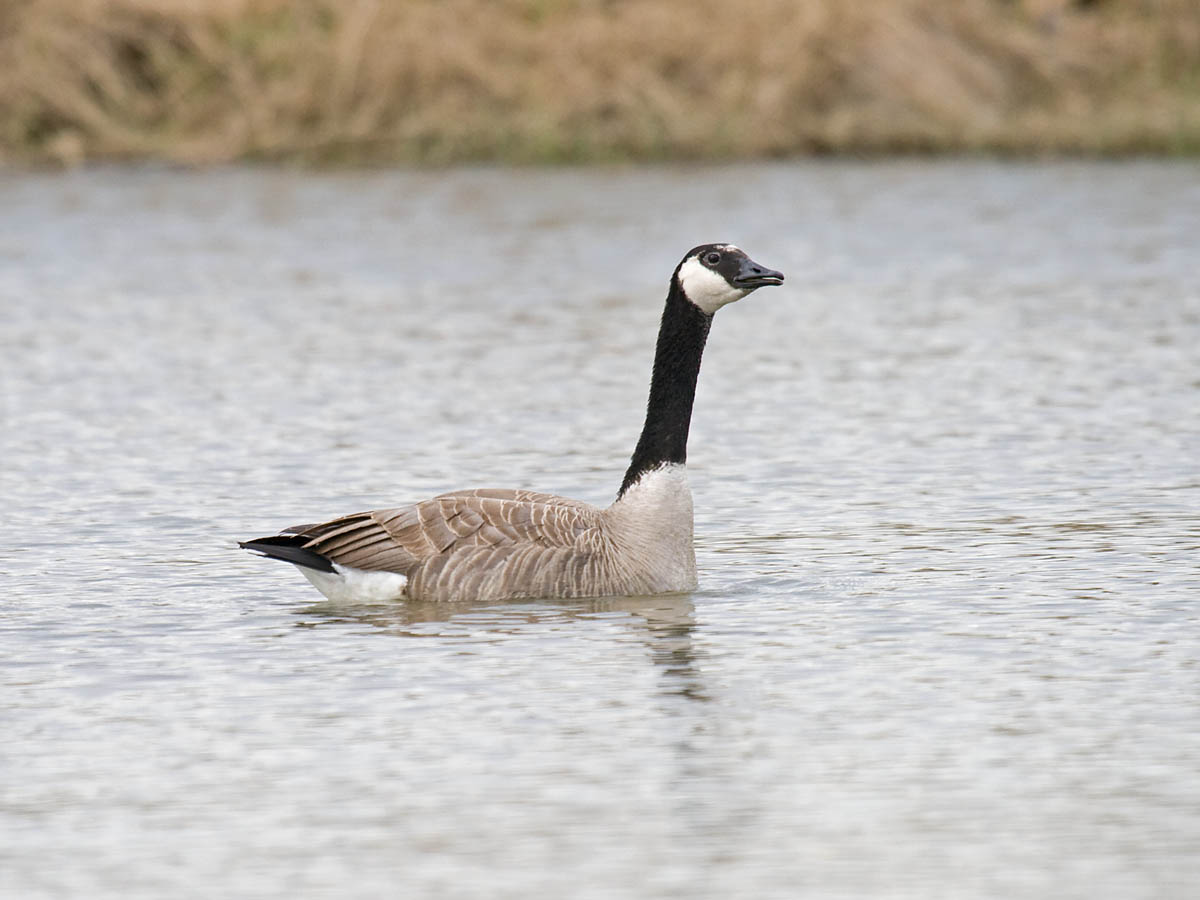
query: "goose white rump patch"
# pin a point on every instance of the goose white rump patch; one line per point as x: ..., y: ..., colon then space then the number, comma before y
x: 347, y: 584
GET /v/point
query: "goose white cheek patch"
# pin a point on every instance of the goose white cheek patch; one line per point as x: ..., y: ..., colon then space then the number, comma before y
x: 706, y: 288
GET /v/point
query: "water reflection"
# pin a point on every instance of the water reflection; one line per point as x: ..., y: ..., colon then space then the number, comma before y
x: 665, y: 623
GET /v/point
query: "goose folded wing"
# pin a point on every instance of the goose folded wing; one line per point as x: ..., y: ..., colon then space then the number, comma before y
x: 398, y: 540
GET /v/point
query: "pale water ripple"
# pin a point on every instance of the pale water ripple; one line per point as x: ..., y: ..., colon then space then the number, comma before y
x: 948, y: 506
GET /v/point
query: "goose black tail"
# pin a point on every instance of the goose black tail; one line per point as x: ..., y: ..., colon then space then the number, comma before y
x: 289, y: 548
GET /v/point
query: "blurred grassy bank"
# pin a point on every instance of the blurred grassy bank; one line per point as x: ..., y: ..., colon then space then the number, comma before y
x: 355, y: 81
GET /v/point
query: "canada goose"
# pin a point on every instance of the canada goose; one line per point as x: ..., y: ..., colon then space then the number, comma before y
x: 499, y: 544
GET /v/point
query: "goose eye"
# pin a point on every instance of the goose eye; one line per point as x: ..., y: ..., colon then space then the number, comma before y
x: 713, y: 258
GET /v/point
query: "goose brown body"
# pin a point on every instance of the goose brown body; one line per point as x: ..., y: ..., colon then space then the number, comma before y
x: 495, y: 544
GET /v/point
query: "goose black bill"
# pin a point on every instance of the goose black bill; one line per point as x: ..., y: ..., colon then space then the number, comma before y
x: 753, y: 275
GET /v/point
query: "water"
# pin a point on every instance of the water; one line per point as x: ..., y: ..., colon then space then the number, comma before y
x: 948, y: 514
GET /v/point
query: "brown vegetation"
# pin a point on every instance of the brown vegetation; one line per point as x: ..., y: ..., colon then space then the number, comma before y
x: 547, y: 80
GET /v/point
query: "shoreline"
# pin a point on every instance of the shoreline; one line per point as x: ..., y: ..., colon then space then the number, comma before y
x: 523, y: 82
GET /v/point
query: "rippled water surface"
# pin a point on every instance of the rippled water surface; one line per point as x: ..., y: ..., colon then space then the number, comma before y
x: 947, y: 488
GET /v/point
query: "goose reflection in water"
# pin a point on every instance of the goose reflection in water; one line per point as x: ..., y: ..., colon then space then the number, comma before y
x: 665, y: 623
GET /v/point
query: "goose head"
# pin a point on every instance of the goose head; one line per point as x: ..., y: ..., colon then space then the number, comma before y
x: 713, y: 275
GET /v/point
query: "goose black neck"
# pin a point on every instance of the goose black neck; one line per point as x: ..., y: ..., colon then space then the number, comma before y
x: 681, y: 338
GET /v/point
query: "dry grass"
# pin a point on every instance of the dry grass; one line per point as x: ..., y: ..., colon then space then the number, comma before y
x: 548, y: 80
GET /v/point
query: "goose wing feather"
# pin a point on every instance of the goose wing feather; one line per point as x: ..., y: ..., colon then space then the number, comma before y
x: 472, y: 543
